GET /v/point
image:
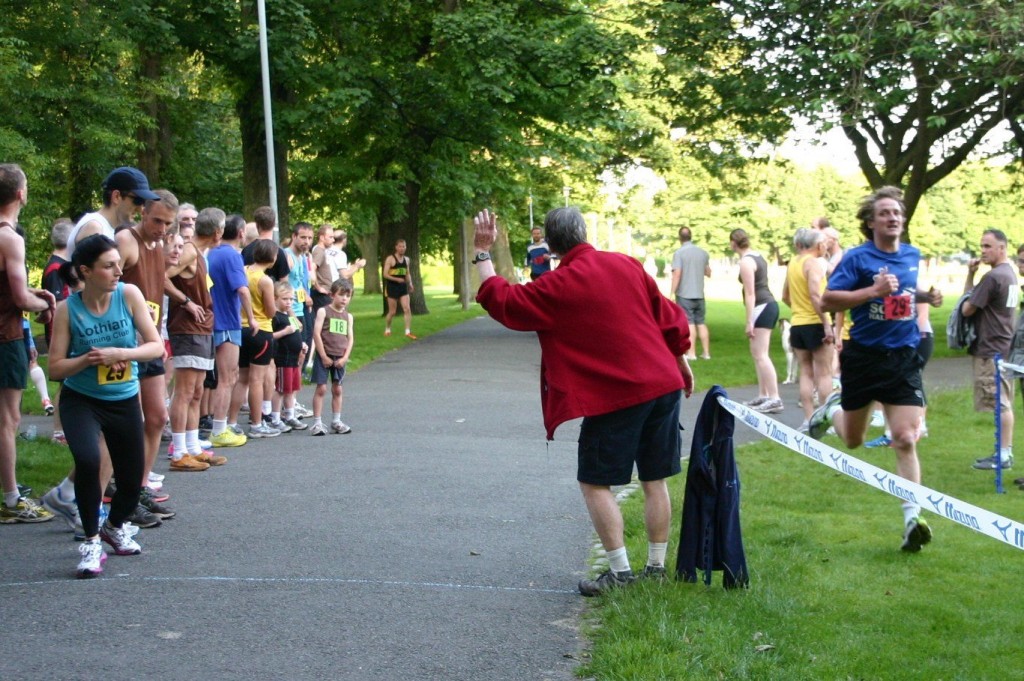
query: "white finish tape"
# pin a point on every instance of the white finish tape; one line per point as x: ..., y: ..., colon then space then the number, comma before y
x: 970, y: 516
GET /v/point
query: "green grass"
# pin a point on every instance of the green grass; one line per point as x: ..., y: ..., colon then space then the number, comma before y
x: 830, y: 591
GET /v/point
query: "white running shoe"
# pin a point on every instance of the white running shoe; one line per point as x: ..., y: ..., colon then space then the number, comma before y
x: 121, y: 539
x: 93, y: 558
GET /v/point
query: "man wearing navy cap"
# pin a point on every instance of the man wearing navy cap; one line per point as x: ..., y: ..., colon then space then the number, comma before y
x: 125, y: 191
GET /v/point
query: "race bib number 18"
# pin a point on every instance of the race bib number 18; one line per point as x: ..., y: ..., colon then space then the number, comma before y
x: 339, y: 326
x: 899, y: 307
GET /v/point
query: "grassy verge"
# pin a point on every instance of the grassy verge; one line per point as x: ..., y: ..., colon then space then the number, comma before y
x: 831, y: 595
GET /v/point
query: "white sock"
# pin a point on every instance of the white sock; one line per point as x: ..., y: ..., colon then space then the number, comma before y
x: 66, y: 489
x: 910, y: 511
x: 832, y: 412
x: 656, y: 553
x: 192, y: 442
x: 288, y: 414
x: 180, y: 443
x: 336, y: 417
x: 11, y: 498
x: 317, y: 421
x: 219, y: 426
x: 1005, y: 453
x: 39, y: 381
x: 618, y: 561
x: 275, y: 416
x: 267, y: 406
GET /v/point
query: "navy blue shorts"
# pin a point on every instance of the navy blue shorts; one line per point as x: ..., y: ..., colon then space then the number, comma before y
x: 646, y: 434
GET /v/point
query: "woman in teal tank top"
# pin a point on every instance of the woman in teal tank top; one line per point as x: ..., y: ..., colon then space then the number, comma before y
x: 95, y: 351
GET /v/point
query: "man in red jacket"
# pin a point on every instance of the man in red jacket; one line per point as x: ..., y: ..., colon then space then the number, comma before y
x: 613, y: 350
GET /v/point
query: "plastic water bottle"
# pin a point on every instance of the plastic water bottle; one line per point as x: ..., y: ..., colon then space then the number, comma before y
x: 31, y: 432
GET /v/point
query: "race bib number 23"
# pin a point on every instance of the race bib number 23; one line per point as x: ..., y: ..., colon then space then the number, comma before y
x: 107, y: 375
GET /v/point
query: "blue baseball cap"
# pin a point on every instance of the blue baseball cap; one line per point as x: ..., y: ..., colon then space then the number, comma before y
x: 128, y: 179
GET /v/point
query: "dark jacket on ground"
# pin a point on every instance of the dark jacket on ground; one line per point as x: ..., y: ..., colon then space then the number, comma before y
x: 710, y: 537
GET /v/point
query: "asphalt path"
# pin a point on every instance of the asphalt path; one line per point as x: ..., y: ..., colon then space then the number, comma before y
x: 441, y: 539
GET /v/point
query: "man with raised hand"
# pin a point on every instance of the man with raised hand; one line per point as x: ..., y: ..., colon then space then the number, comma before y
x: 621, y: 369
x: 15, y: 297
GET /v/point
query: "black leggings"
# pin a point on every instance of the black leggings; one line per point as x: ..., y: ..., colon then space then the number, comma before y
x: 120, y: 422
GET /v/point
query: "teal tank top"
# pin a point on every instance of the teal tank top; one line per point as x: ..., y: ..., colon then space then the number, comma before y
x: 113, y: 329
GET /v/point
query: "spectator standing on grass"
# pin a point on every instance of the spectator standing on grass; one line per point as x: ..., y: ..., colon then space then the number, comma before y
x: 877, y: 282
x: 15, y: 297
x: 398, y: 286
x: 690, y: 267
x: 762, y: 314
x: 992, y: 304
x: 622, y: 370
x: 96, y: 353
x: 811, y: 335
x: 341, y: 266
x: 321, y: 276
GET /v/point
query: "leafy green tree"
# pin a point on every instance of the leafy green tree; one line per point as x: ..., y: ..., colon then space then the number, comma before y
x: 916, y: 85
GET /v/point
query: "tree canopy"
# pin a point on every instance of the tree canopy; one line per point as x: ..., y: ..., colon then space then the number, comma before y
x: 916, y: 85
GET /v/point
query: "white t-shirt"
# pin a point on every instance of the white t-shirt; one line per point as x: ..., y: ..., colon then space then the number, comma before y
x: 105, y: 227
x: 338, y: 261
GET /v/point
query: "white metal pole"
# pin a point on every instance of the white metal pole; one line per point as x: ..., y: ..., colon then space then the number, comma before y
x: 268, y: 118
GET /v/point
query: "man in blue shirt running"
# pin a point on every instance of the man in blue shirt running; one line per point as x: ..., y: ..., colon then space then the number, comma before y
x: 877, y: 282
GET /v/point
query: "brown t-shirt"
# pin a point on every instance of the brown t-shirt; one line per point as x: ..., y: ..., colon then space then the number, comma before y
x: 179, y: 319
x: 334, y: 334
x: 148, y: 275
x: 323, y: 269
x: 996, y: 297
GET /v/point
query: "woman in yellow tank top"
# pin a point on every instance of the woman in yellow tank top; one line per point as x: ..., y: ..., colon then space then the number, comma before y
x: 811, y: 335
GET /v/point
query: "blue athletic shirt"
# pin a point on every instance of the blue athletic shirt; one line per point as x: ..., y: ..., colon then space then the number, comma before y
x: 228, y: 275
x: 885, y: 323
x: 115, y: 328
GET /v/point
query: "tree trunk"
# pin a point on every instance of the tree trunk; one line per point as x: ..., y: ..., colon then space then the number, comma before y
x: 393, y: 228
x: 369, y: 245
x: 255, y: 184
x: 464, y: 269
x: 153, y: 135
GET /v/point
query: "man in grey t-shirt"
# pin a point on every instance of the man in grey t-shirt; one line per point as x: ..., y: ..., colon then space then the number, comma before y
x: 690, y: 265
x: 992, y: 303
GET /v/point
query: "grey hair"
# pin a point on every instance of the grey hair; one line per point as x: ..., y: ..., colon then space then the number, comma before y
x: 564, y: 229
x: 209, y: 221
x: 807, y: 238
x: 60, y: 232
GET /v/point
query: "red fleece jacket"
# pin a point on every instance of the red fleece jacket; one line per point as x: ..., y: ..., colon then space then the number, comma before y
x: 609, y: 339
